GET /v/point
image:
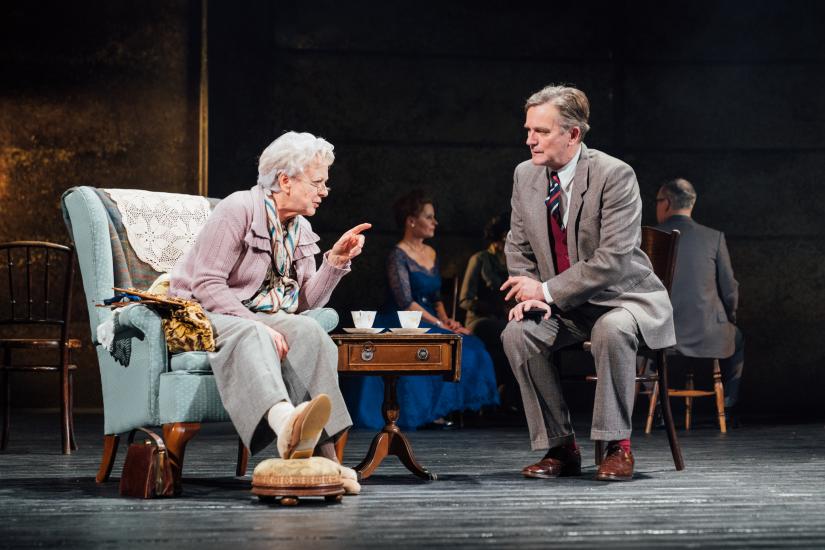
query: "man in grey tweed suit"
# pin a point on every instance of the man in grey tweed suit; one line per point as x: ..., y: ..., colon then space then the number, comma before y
x: 705, y: 293
x: 578, y: 273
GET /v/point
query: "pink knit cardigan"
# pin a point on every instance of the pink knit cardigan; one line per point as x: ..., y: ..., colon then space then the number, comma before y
x: 231, y: 255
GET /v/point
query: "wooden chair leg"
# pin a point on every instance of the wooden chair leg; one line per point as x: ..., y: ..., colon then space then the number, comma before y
x: 5, y: 395
x: 243, y: 459
x: 65, y: 438
x: 689, y: 400
x: 72, y: 440
x: 651, y: 409
x: 640, y: 372
x: 176, y: 436
x: 599, y: 451
x: 340, y: 445
x: 720, y: 396
x: 675, y: 449
x: 110, y: 443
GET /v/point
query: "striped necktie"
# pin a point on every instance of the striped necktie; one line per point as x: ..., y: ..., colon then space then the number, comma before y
x: 553, y: 200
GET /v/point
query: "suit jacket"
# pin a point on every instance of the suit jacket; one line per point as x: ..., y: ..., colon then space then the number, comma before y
x: 607, y: 267
x: 704, y: 294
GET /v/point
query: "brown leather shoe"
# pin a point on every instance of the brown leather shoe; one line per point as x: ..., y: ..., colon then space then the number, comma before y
x: 617, y: 465
x: 559, y: 461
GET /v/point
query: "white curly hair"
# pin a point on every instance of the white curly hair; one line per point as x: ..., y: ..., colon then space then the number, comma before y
x: 290, y: 154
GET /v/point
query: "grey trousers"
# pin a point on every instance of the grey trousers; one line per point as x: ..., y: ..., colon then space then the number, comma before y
x: 614, y: 335
x: 251, y: 377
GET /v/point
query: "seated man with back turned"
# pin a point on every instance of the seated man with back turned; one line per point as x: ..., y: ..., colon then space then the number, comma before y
x: 704, y: 293
x: 573, y: 254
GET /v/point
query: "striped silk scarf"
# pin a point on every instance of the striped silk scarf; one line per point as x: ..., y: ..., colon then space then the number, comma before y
x: 279, y: 290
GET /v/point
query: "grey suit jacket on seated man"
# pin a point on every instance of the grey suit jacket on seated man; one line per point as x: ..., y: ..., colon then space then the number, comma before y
x: 607, y: 267
x: 609, y: 294
x: 705, y: 294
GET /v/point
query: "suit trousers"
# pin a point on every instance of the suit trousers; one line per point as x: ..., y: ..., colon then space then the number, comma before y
x: 529, y: 345
x: 251, y: 377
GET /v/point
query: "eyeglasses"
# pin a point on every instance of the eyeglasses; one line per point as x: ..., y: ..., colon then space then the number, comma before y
x: 660, y: 199
x: 319, y: 187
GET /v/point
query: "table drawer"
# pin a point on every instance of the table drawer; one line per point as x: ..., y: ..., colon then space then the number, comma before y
x: 398, y: 354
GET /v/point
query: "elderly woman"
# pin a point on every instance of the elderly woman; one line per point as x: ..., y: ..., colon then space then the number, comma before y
x: 253, y: 270
x: 415, y: 285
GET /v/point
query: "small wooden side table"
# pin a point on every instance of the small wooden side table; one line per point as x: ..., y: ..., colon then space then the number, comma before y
x: 390, y: 356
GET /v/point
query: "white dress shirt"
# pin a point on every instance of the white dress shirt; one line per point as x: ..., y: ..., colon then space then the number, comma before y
x: 566, y: 174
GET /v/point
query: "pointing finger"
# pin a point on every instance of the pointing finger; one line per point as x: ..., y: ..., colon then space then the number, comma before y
x: 510, y: 294
x: 361, y: 227
x: 508, y: 283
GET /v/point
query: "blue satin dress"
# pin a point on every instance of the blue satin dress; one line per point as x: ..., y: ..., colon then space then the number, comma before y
x: 422, y: 398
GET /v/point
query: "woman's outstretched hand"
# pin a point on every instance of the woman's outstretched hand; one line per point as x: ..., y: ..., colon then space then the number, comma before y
x: 348, y: 246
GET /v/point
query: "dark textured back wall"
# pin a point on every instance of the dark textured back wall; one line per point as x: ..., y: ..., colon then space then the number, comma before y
x: 726, y: 94
x: 91, y: 93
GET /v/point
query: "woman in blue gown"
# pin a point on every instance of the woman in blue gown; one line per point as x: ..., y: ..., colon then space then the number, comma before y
x: 415, y: 285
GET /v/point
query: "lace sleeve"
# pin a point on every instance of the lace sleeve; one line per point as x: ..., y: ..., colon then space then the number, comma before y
x: 398, y: 275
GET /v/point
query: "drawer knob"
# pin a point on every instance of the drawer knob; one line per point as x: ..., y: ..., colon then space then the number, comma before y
x: 367, y: 352
x: 423, y: 354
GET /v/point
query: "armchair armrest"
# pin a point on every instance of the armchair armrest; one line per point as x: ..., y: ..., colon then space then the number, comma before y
x: 325, y: 316
x: 130, y: 394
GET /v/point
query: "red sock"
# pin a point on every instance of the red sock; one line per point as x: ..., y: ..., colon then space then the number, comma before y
x: 623, y: 443
x: 569, y: 445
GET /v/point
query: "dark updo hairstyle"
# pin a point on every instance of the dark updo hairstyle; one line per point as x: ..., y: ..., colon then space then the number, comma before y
x: 496, y: 229
x: 410, y: 204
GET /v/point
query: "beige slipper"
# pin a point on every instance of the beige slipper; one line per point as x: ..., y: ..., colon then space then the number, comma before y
x: 349, y: 479
x: 303, y: 428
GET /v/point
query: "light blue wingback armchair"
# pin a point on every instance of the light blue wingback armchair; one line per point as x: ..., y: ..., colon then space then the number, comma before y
x: 177, y: 391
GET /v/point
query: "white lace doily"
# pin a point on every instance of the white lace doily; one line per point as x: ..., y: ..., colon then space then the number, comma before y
x: 161, y: 227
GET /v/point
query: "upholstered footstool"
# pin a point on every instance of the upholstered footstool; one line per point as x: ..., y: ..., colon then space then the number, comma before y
x: 288, y: 480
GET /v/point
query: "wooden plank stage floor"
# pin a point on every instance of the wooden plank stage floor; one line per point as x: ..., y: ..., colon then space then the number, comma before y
x: 759, y: 486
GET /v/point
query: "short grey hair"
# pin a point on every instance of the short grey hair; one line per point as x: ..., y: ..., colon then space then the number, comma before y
x: 290, y: 154
x: 572, y: 103
x: 680, y: 193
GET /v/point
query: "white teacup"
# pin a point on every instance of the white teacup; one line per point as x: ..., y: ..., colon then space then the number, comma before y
x: 363, y: 319
x: 409, y: 319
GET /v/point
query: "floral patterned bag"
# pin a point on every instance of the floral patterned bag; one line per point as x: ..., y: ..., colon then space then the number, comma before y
x: 185, y: 324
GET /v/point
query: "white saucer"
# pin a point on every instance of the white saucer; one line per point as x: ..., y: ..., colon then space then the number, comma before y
x: 419, y: 330
x: 367, y: 330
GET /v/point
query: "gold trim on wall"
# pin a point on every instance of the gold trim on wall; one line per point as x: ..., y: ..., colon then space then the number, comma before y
x: 203, y: 111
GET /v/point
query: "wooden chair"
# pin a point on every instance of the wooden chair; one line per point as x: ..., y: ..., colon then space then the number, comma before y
x: 36, y: 299
x: 689, y: 393
x: 661, y: 247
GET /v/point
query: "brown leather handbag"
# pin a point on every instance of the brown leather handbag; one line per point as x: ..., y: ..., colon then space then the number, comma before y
x: 147, y: 471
